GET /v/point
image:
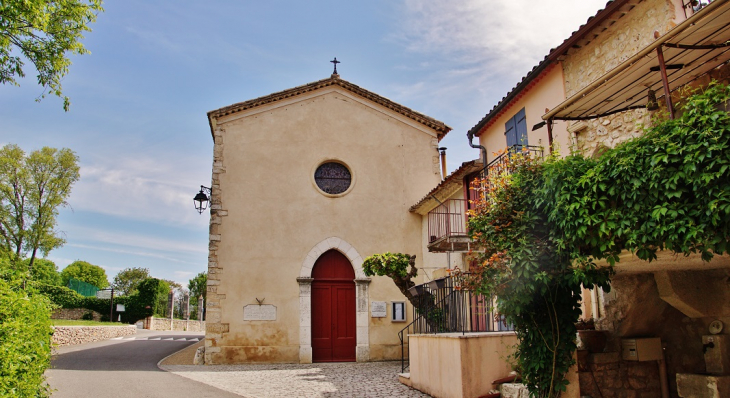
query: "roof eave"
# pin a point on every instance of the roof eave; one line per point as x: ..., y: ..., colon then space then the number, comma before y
x: 553, y: 56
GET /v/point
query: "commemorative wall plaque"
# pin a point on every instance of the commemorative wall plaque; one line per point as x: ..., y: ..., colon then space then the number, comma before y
x: 378, y: 309
x: 256, y: 312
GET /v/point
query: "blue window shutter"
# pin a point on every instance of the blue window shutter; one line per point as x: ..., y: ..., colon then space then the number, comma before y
x: 521, y: 127
x: 510, y: 131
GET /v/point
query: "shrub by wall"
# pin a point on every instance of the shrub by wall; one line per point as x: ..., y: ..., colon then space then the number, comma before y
x: 136, y: 306
x: 25, y: 341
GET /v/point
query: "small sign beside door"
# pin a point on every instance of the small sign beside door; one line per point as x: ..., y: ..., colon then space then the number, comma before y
x: 378, y: 309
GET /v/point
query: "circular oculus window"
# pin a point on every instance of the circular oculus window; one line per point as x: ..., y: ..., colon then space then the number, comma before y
x: 333, y: 178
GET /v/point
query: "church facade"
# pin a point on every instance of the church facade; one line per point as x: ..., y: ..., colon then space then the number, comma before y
x: 306, y: 183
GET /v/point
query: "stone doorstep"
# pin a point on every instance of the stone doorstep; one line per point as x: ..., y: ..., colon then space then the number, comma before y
x: 405, y: 379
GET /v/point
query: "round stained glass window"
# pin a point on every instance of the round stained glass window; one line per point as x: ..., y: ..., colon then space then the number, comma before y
x: 333, y: 178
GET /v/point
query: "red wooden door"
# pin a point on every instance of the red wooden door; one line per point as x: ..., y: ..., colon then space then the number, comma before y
x: 333, y: 309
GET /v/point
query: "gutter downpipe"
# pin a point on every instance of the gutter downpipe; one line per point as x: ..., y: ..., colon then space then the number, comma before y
x: 470, y: 135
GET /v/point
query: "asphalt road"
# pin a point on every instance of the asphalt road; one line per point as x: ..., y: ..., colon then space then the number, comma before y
x: 125, y: 368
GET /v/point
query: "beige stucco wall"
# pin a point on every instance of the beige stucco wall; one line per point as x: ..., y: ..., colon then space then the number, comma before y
x: 547, y: 92
x: 455, y: 365
x: 271, y: 216
x: 626, y: 37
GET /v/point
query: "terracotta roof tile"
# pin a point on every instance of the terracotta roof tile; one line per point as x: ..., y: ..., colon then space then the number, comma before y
x: 335, y: 80
x: 455, y: 177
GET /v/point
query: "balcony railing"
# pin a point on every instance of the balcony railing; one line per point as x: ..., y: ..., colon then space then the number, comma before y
x: 501, y: 162
x: 447, y: 223
x: 447, y: 220
x: 447, y: 305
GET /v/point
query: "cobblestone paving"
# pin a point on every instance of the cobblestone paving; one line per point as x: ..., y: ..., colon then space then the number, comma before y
x: 372, y: 379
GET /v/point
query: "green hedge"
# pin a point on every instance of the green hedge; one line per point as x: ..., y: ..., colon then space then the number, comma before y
x: 25, y: 341
x: 137, y: 306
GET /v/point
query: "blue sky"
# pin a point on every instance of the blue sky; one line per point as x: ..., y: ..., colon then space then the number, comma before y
x: 139, y: 100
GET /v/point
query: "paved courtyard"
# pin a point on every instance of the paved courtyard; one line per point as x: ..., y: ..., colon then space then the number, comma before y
x: 371, y: 379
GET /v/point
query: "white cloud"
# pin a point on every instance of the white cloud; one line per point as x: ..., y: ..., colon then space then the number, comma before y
x: 478, y: 50
x: 508, y: 35
x: 141, y: 187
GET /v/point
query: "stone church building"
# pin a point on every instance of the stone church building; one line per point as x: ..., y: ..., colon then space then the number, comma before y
x: 306, y: 183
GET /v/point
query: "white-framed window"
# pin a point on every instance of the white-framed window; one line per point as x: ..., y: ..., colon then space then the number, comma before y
x: 398, y: 311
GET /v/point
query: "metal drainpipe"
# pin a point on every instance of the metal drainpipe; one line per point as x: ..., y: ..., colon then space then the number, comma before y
x: 470, y: 135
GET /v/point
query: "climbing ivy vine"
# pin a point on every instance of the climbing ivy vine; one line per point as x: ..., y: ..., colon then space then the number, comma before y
x: 541, y: 227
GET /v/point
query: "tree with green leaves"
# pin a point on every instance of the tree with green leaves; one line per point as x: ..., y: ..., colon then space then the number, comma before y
x: 32, y: 189
x: 198, y: 286
x: 127, y: 280
x: 87, y: 272
x: 43, y: 32
x: 399, y: 267
x: 43, y: 271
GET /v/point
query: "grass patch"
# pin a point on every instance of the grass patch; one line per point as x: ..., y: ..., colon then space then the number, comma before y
x: 66, y: 322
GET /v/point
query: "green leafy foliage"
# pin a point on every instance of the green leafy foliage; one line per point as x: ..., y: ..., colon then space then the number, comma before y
x: 387, y: 264
x: 198, y: 287
x: 396, y: 267
x: 25, y: 341
x: 127, y: 280
x: 138, y: 306
x: 43, y: 32
x: 32, y: 189
x: 541, y: 226
x: 86, y: 272
x: 43, y: 271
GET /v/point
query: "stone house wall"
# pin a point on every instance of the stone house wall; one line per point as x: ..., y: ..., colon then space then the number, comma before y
x: 606, y: 375
x: 619, y: 42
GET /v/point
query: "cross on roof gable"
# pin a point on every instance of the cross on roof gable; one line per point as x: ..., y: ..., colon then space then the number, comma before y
x: 440, y: 127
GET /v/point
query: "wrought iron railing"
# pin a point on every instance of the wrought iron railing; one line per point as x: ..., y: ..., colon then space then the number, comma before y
x: 501, y: 163
x: 447, y: 305
x: 447, y: 220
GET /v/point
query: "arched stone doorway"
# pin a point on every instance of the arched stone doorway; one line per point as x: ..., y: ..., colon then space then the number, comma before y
x: 362, y: 285
x: 333, y: 309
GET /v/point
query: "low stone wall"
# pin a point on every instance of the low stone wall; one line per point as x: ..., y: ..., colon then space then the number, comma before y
x: 71, y: 335
x: 153, y: 323
x: 74, y: 314
x: 606, y: 375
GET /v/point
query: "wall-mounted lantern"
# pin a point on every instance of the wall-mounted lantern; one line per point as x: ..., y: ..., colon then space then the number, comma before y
x: 202, y: 199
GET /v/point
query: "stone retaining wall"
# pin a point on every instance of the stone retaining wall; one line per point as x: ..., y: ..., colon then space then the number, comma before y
x: 74, y: 314
x: 71, y: 335
x: 153, y: 323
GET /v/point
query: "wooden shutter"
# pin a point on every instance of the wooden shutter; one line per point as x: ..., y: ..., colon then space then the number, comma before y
x: 510, y: 131
x: 521, y: 127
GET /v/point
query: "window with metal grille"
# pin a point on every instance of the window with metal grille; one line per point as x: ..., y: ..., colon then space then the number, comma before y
x: 333, y: 178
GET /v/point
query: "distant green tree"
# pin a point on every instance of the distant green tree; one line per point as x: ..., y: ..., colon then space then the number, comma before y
x: 32, y: 189
x: 127, y: 280
x: 44, y: 271
x: 198, y: 286
x: 86, y: 272
x: 43, y: 32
